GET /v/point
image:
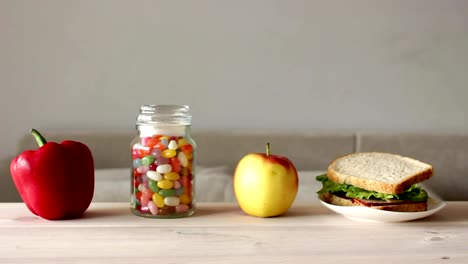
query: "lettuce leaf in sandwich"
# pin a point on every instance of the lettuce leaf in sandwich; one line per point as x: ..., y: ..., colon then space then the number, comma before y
x: 414, y: 193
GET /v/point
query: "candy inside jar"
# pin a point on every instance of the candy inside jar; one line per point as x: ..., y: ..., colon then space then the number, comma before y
x: 163, y: 172
x: 163, y: 163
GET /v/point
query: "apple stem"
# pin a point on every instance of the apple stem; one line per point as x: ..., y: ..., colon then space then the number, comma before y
x: 268, y: 149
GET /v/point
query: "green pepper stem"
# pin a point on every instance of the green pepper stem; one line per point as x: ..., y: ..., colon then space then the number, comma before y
x: 268, y: 149
x: 39, y: 138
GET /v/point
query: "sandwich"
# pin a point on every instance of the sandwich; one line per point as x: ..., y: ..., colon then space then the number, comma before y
x: 377, y: 180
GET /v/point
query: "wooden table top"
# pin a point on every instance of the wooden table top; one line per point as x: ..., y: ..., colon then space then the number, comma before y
x: 222, y: 233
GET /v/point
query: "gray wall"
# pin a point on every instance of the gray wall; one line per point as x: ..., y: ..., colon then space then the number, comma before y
x: 286, y: 65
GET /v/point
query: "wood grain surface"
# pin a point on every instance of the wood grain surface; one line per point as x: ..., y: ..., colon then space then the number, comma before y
x: 222, y: 233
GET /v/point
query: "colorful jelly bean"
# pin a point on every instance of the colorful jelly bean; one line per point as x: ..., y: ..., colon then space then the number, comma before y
x: 175, y: 163
x: 168, y: 153
x: 139, y: 180
x: 172, y: 145
x: 158, y: 200
x: 135, y: 154
x: 143, y: 152
x: 165, y: 168
x: 154, y: 175
x: 160, y: 146
x: 141, y: 187
x: 177, y: 185
x: 156, y: 153
x: 153, y: 208
x: 183, y: 159
x: 165, y: 184
x: 185, y: 199
x: 136, y: 173
x: 179, y: 191
x: 182, y: 141
x: 171, y: 201
x: 147, y: 194
x: 161, y: 161
x: 136, y: 163
x: 167, y: 192
x: 144, y: 179
x: 138, y: 196
x: 143, y: 209
x: 151, y: 142
x: 186, y: 148
x: 153, y: 185
x: 142, y: 169
x: 164, y: 141
x: 147, y: 160
x: 172, y: 176
x: 182, y: 208
x: 144, y: 201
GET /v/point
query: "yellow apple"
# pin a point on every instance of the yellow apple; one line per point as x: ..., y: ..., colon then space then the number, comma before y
x: 265, y: 185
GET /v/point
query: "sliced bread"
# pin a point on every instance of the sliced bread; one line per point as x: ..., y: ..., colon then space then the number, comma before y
x: 379, y: 172
x: 401, y: 207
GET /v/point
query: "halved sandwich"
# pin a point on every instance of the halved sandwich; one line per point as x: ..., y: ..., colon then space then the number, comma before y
x: 378, y: 180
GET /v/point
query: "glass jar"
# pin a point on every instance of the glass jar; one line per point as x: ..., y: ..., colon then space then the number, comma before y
x: 163, y: 163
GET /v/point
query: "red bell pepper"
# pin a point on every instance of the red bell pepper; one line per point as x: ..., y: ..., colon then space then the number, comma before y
x: 55, y: 181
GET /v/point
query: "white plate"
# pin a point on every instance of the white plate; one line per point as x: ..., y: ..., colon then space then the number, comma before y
x: 360, y: 213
